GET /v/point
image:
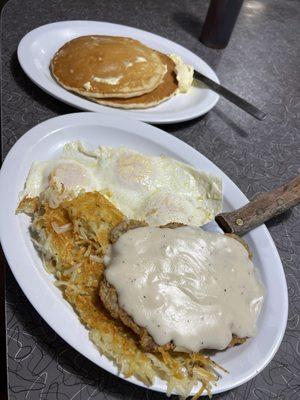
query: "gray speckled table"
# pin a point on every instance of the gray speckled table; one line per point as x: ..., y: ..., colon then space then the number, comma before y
x: 260, y: 64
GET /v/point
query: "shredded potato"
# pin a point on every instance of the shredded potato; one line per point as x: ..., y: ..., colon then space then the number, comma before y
x: 61, y: 229
x: 72, y: 238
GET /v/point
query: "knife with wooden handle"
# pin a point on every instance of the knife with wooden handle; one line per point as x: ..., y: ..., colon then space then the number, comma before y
x: 261, y: 208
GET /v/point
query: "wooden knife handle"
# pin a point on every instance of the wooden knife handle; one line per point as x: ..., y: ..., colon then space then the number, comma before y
x: 261, y: 208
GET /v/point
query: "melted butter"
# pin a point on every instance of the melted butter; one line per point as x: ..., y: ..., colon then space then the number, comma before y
x: 87, y: 86
x: 140, y: 59
x: 109, y: 81
x: 185, y: 285
x: 127, y: 64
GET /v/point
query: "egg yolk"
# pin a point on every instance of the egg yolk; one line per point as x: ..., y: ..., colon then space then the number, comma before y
x: 70, y: 176
x: 135, y: 170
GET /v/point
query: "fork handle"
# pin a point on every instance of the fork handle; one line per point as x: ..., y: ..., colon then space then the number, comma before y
x: 261, y: 208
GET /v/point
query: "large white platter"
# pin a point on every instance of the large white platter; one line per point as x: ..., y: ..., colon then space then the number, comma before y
x: 37, y: 48
x: 45, y: 141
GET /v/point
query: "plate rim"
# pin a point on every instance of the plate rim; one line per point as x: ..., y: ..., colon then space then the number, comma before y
x: 72, y: 99
x: 72, y: 119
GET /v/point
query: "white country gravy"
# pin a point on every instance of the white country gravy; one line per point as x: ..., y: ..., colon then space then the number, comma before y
x: 185, y: 285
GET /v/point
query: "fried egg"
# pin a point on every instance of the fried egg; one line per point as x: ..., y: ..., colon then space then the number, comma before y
x: 75, y: 170
x: 156, y: 189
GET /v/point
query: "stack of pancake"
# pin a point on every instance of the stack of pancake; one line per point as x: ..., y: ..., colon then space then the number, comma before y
x: 115, y: 71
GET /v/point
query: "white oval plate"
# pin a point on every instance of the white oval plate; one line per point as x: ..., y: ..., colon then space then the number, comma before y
x: 37, y: 48
x: 45, y: 141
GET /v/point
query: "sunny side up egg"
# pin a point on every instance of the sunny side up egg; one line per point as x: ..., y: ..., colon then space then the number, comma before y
x: 151, y: 188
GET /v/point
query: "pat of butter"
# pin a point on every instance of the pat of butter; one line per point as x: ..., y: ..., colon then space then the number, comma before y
x: 109, y: 81
x: 184, y: 73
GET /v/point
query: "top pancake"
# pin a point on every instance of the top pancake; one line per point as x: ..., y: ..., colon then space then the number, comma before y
x: 107, y: 66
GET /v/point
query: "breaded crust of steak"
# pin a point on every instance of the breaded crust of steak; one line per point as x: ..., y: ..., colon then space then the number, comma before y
x: 109, y: 295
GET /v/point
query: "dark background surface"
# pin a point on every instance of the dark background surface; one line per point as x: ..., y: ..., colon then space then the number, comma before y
x: 260, y: 64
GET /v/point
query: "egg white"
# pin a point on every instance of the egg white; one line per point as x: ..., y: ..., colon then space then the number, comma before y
x: 151, y: 188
